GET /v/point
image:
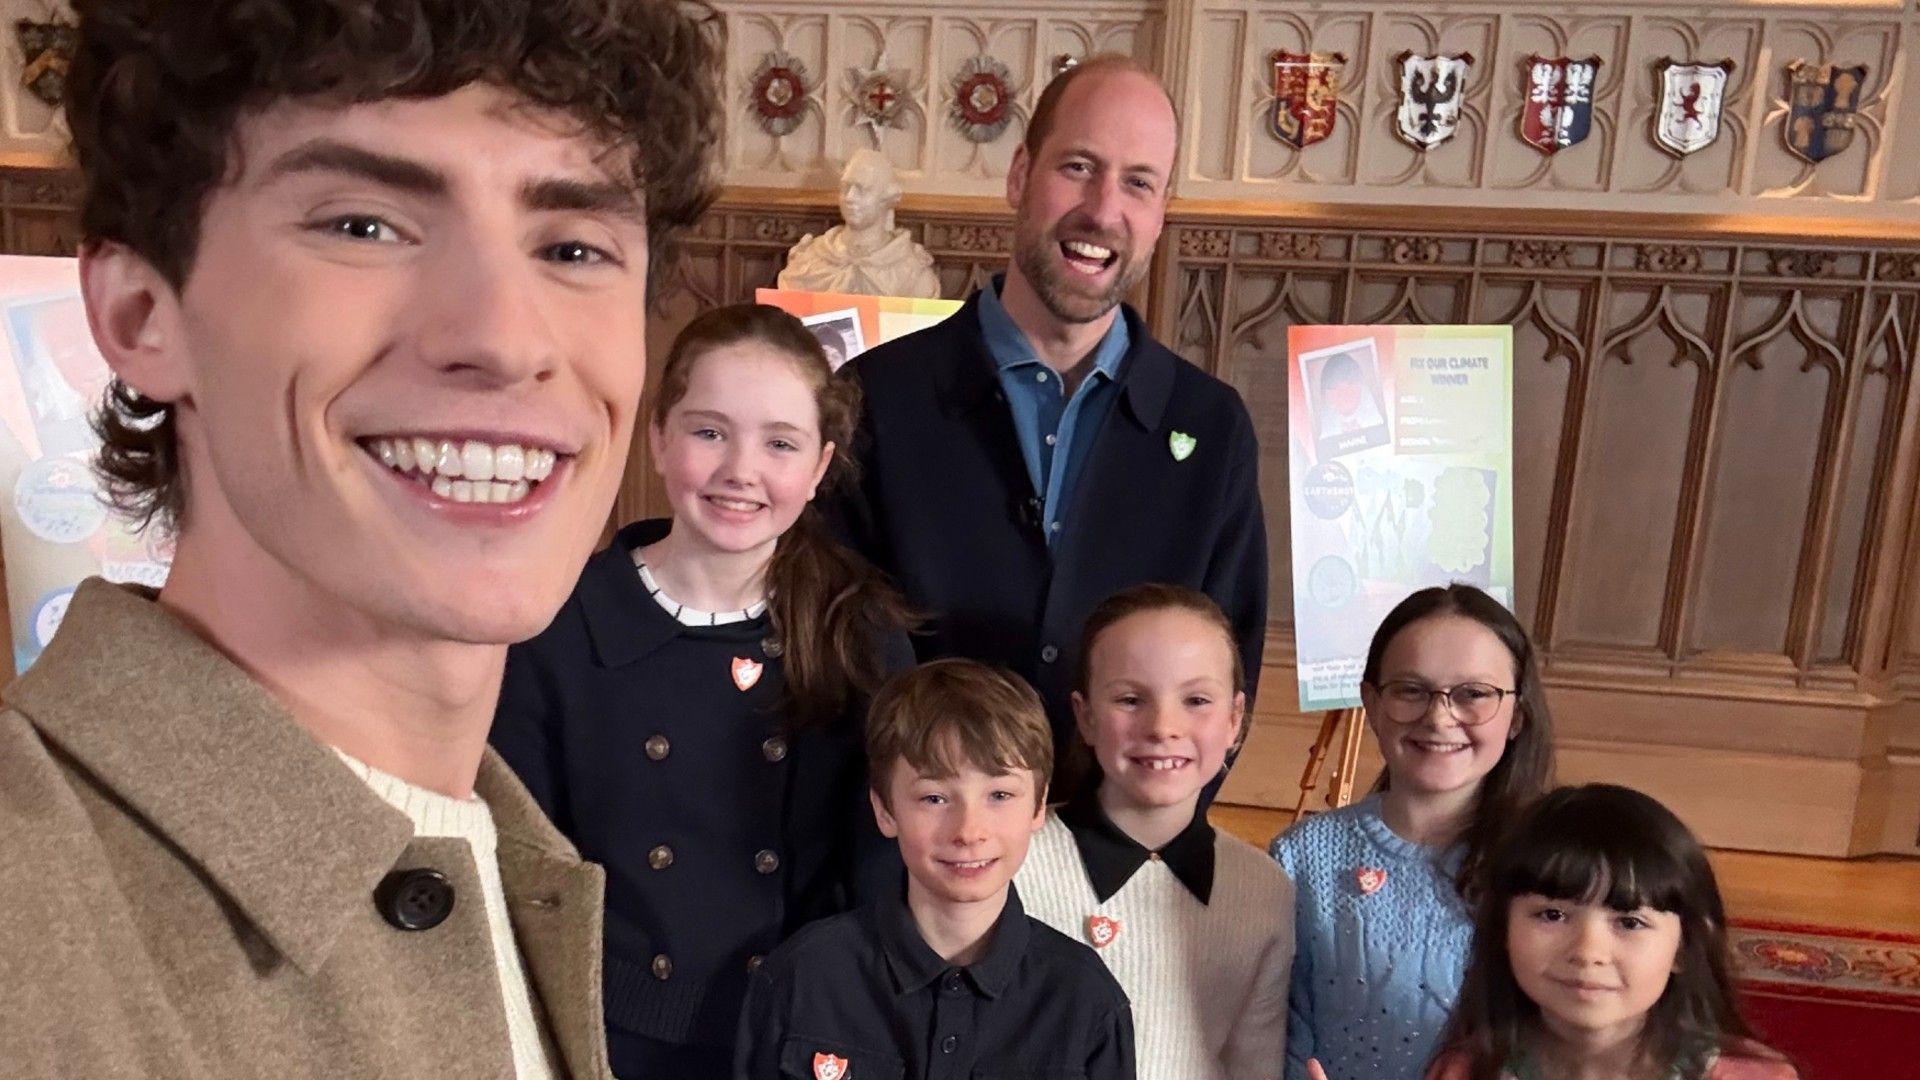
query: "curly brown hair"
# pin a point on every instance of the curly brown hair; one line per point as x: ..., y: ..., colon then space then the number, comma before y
x: 157, y: 88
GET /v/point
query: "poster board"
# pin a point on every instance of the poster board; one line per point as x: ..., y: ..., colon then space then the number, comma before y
x: 54, y: 526
x: 848, y: 325
x: 1400, y: 468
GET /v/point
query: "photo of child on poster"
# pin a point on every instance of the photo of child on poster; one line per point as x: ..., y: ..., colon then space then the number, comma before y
x: 1344, y: 398
x: 838, y: 333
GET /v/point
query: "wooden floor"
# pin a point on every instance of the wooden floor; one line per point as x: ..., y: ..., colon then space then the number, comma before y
x: 1881, y: 894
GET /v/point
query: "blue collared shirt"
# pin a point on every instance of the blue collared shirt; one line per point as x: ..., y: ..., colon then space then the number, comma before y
x: 1056, y: 431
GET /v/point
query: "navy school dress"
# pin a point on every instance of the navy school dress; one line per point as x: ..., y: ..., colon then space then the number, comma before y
x: 661, y: 750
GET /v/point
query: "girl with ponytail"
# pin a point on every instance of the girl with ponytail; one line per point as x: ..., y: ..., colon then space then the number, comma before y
x: 692, y: 720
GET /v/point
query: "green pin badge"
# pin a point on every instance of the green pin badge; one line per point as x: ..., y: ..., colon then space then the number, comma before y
x: 1181, y: 444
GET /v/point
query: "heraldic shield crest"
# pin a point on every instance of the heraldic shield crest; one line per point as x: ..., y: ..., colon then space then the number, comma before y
x: 1559, y: 109
x: 1431, y: 90
x: 1690, y: 97
x: 1306, y: 96
x: 1823, y: 101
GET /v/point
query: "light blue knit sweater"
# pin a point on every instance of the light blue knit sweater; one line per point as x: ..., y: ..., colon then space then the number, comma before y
x: 1375, y: 972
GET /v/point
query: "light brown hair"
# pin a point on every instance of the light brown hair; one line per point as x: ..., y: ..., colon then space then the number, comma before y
x: 830, y: 608
x: 157, y: 89
x: 948, y: 714
x: 1079, y: 771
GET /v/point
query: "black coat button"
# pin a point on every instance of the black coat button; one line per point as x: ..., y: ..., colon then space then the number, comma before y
x: 774, y: 749
x: 754, y: 962
x: 658, y: 748
x: 418, y: 899
x: 1049, y: 653
x: 660, y: 857
x: 772, y: 647
x: 948, y: 1044
x: 663, y: 967
x: 766, y: 861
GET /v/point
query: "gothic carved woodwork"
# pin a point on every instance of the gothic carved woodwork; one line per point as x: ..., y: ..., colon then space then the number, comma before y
x: 1713, y: 437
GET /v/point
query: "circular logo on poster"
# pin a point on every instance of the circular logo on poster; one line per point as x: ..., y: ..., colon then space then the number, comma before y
x: 1331, y: 582
x: 46, y: 617
x: 58, y: 500
x: 1328, y: 489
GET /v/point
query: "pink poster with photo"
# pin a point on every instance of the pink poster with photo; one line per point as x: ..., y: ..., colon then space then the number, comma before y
x: 55, y: 527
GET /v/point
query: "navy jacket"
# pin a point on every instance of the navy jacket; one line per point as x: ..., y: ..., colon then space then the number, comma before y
x: 722, y: 830
x: 946, y: 507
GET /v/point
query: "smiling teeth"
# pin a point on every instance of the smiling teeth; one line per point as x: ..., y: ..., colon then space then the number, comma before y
x: 1164, y: 764
x: 976, y: 865
x: 1091, y: 251
x: 469, y: 471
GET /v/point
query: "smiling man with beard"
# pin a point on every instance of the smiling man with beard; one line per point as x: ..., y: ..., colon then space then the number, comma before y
x: 1039, y: 450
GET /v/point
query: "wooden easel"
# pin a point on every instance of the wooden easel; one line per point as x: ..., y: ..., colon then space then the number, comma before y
x: 1350, y: 727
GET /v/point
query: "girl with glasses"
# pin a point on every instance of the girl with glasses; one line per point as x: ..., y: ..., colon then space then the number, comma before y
x: 1383, y: 887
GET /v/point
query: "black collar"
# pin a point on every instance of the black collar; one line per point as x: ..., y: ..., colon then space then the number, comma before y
x: 1146, y: 372
x: 914, y: 964
x: 1112, y: 857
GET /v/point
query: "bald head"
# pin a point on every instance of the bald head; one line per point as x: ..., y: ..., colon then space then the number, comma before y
x: 1086, y: 85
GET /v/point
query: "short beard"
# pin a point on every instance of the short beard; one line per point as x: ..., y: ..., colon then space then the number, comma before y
x: 1030, y: 254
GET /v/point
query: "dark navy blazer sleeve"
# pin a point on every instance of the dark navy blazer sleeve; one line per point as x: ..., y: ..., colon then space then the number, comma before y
x: 1237, y: 574
x: 523, y: 734
x: 1112, y: 1056
x: 852, y: 511
x: 763, y: 1028
x: 876, y: 868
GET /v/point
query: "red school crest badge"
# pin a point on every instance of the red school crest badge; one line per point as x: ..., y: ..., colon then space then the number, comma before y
x: 828, y: 1067
x: 1369, y: 879
x: 746, y: 672
x: 1101, y: 930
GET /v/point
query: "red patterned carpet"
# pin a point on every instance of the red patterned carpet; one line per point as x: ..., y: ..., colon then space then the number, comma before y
x: 1845, y: 1004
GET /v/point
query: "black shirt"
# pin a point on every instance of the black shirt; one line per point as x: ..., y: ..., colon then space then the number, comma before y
x: 865, y: 990
x: 1111, y: 856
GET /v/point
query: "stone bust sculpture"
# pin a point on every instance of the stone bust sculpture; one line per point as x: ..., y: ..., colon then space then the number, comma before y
x: 867, y: 254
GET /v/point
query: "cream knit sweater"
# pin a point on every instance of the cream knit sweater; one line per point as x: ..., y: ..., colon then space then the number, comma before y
x: 1209, y: 981
x: 434, y: 814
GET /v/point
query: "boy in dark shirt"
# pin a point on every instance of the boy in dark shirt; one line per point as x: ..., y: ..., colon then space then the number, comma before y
x: 951, y: 979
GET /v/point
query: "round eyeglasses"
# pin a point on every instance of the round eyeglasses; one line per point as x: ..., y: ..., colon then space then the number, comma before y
x: 1406, y: 701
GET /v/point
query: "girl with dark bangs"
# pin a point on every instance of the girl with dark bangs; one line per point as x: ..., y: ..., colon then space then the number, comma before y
x: 1600, y: 951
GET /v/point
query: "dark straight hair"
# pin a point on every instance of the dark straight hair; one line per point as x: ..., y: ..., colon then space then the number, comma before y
x: 1611, y: 846
x: 829, y: 606
x: 1525, y: 769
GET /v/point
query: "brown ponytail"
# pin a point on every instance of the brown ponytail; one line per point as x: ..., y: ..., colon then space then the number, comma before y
x: 829, y: 607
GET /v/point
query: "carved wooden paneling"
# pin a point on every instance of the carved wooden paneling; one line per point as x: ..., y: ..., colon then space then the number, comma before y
x: 1705, y: 431
x: 37, y: 211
